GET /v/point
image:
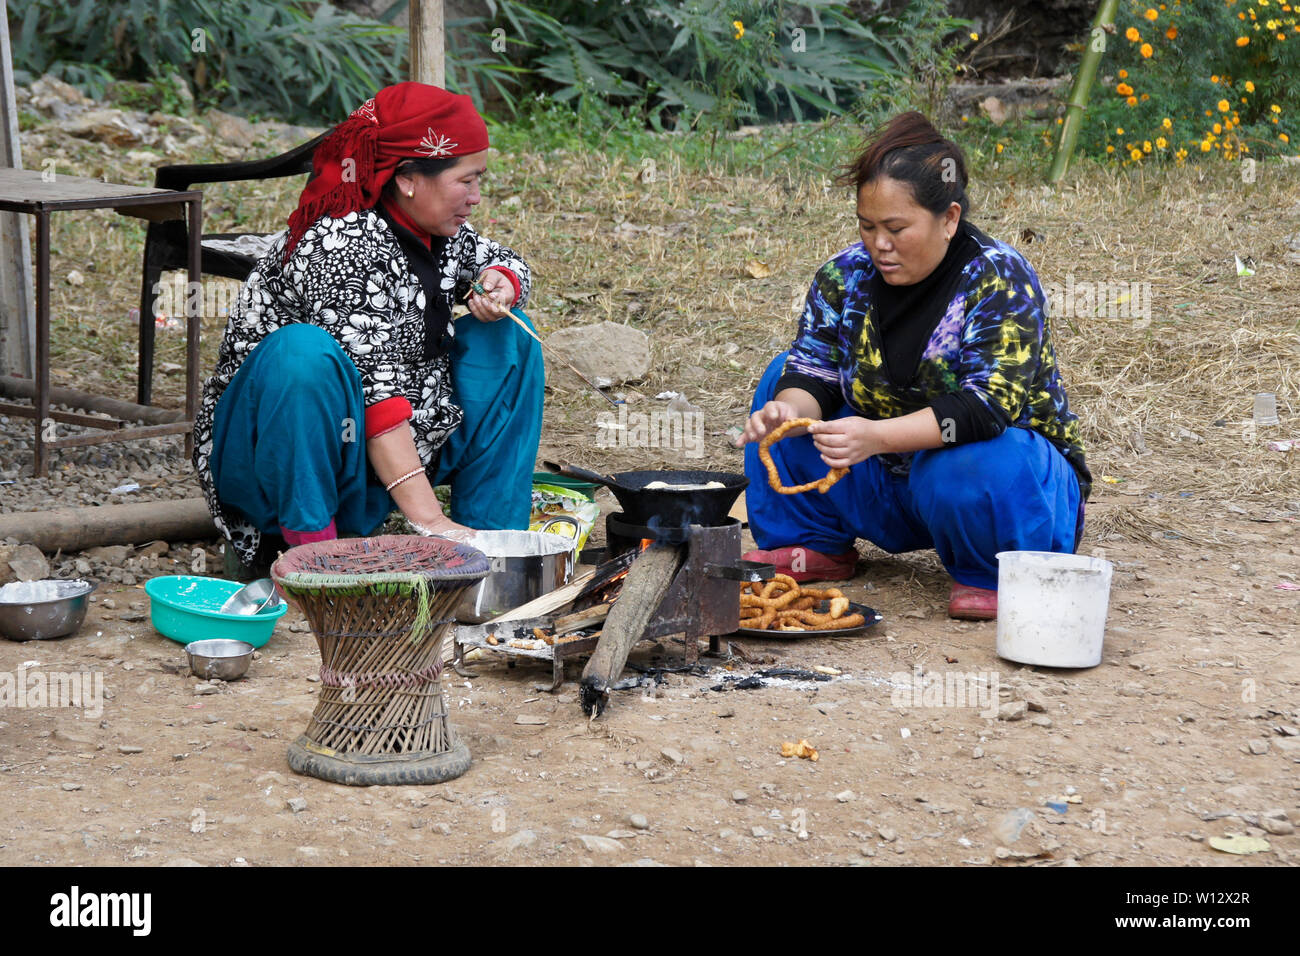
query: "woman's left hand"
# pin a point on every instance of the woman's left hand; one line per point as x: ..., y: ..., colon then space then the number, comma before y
x: 843, y: 442
x: 500, y: 296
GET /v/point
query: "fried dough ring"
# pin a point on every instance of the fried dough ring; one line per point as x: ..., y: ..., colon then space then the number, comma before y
x: 765, y: 455
x: 786, y: 605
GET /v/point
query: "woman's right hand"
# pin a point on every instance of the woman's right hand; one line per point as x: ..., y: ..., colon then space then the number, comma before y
x: 766, y: 419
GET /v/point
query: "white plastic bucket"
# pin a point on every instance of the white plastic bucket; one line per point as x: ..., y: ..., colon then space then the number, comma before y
x: 1052, y: 608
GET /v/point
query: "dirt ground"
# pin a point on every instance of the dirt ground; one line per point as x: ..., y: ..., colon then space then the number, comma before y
x: 1185, y: 732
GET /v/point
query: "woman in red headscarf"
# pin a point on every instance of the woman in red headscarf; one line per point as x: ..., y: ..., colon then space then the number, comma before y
x: 343, y: 386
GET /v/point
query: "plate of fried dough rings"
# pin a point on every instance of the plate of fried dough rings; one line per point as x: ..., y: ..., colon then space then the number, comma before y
x: 783, y: 606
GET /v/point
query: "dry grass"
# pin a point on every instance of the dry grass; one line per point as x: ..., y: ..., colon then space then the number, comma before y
x: 669, y: 257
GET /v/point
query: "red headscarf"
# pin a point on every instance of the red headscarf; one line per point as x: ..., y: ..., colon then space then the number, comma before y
x: 400, y: 122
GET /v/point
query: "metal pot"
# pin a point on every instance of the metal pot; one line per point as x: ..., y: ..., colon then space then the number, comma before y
x: 524, y: 565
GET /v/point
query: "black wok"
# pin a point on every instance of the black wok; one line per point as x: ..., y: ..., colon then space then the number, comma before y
x: 669, y: 508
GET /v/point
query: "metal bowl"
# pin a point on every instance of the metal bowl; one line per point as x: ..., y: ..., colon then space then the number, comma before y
x: 219, y: 659
x: 525, y: 565
x: 42, y: 620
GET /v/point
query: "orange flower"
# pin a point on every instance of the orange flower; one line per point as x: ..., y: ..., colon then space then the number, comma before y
x: 1132, y: 101
x: 1146, y: 51
x: 1136, y: 154
x: 1171, y: 33
x: 1243, y: 41
x: 1151, y: 15
x: 1123, y: 74
x: 1124, y: 90
x: 1161, y: 142
x: 1223, y: 106
x: 1132, y: 35
x: 1250, y: 87
x: 1284, y: 137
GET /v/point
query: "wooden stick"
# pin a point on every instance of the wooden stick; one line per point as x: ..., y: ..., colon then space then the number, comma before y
x: 547, y: 602
x: 643, y: 591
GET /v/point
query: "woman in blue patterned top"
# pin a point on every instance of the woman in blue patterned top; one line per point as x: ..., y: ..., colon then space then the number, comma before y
x: 925, y: 354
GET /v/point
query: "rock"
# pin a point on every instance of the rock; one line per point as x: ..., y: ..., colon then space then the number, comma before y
x: 759, y: 833
x: 1258, y: 747
x: 977, y: 753
x: 154, y: 549
x: 530, y: 721
x: 1288, y: 745
x: 1035, y: 701
x: 739, y: 796
x: 74, y: 277
x: 49, y: 89
x: 1013, y: 710
x: 129, y: 749
x: 888, y: 834
x: 671, y: 755
x: 28, y: 563
x: 109, y: 554
x: 1132, y: 690
x: 296, y: 804
x: 72, y: 786
x: 618, y: 353
x: 516, y: 841
x: 234, y: 130
x: 1041, y: 721
x: 844, y: 796
x: 308, y: 851
x: 599, y: 844
x: 114, y: 127
x: 904, y: 732
x: 1283, y: 827
x: 621, y: 834
x: 639, y: 821
x: 203, y: 690
x: 993, y: 108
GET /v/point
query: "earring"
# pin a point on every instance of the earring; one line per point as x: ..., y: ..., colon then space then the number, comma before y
x: 410, y: 194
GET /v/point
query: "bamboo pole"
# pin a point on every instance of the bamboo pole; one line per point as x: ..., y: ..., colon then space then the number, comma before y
x: 426, y: 24
x: 1102, y: 26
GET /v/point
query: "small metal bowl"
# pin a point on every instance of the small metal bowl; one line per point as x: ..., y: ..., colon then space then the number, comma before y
x: 219, y: 659
x: 42, y: 620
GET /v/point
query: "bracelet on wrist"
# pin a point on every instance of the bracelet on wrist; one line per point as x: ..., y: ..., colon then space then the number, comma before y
x: 397, y: 481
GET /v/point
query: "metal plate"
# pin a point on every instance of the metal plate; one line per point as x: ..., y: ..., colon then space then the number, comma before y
x: 870, y: 618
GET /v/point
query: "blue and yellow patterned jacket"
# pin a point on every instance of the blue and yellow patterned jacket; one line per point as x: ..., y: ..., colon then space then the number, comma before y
x: 993, y: 340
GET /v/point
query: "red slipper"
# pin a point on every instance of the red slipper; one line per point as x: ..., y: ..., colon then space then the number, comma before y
x: 805, y: 564
x: 973, y: 604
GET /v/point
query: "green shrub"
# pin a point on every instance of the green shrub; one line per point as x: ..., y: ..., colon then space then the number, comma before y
x: 302, y: 62
x: 1197, y: 79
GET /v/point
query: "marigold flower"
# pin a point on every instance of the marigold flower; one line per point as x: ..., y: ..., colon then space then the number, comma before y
x: 1275, y: 108
x: 1110, y: 149
x: 1167, y: 123
x: 1250, y: 87
x: 1146, y: 146
x: 974, y: 36
x: 1135, y: 154
x: 1132, y: 35
x: 1171, y: 33
x: 1161, y: 142
x: 1119, y: 130
x: 740, y: 29
x: 1223, y: 106
x: 1284, y: 137
x: 1217, y: 129
x: 1151, y: 14
x: 1123, y: 74
x: 1132, y: 101
x: 1146, y: 51
x: 1243, y: 41
x: 1205, y: 146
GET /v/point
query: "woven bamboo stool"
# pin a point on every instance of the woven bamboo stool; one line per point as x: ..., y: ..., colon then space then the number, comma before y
x: 380, y: 609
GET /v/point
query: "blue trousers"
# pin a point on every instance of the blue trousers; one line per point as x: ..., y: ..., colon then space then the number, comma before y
x: 288, y: 446
x: 1015, y: 492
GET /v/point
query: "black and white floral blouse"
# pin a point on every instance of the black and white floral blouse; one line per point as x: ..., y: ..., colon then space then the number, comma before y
x: 352, y: 277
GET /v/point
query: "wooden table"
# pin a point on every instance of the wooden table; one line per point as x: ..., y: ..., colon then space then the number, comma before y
x: 40, y: 194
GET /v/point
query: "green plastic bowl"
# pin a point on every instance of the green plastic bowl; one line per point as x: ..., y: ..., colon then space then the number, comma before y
x: 186, y: 608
